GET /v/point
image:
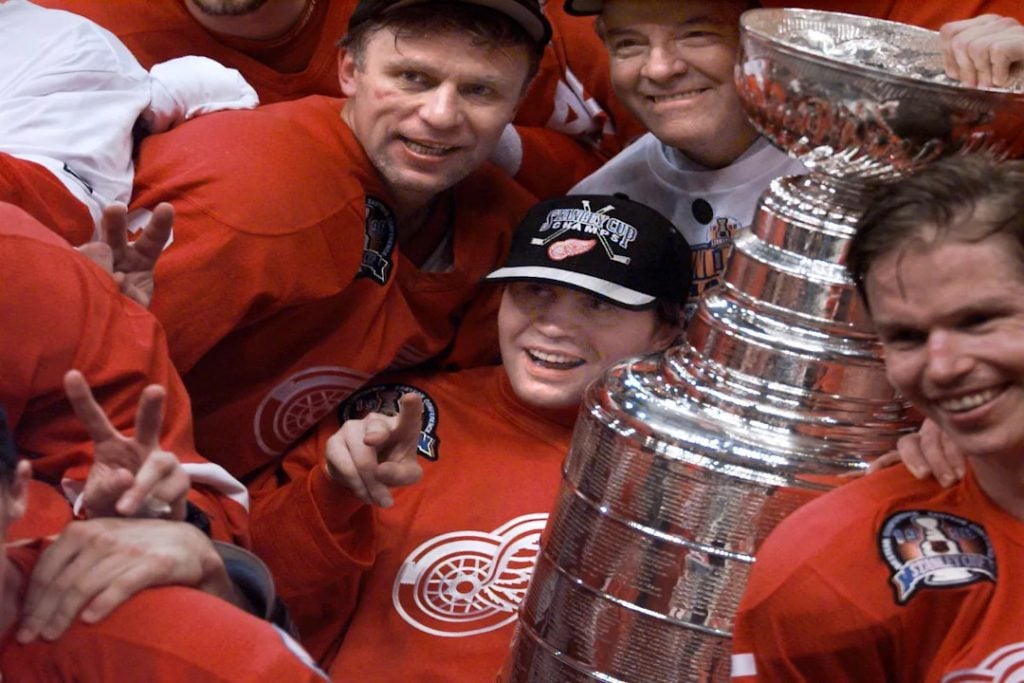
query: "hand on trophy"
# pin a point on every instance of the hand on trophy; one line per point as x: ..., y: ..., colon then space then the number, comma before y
x: 982, y: 52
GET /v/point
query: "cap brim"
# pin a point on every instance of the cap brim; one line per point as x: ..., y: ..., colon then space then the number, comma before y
x: 584, y: 8
x: 617, y: 294
x: 536, y: 26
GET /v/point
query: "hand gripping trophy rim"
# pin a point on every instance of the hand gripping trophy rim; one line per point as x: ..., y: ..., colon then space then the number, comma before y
x: 846, y: 117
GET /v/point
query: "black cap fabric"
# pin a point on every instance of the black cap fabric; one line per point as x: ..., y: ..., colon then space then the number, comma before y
x: 609, y: 246
x: 584, y: 8
x: 526, y: 13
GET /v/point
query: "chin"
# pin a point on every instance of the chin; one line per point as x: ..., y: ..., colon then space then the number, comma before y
x: 668, y: 132
x: 430, y: 185
x: 989, y: 445
x: 546, y: 398
x: 559, y: 403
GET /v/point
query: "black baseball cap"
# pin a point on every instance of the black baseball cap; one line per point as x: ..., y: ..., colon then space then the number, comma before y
x: 584, y: 8
x: 526, y: 13
x: 609, y: 246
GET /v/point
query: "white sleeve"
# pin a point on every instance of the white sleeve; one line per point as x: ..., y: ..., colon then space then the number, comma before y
x: 186, y: 87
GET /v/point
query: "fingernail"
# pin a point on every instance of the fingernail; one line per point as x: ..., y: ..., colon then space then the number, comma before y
x: 960, y: 472
x: 919, y: 472
x: 387, y: 501
x: 946, y: 479
x: 24, y: 636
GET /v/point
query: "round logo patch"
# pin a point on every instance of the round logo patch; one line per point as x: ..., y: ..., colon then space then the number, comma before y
x: 465, y: 583
x: 1005, y: 665
x: 300, y: 402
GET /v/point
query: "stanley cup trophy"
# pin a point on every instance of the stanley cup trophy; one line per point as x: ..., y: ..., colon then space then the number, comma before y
x: 682, y: 464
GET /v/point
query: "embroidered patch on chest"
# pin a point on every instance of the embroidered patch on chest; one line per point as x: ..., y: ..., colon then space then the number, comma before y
x: 299, y: 402
x: 383, y: 398
x: 379, y: 241
x: 932, y: 549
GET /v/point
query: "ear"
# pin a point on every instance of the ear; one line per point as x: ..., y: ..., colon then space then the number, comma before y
x: 16, y: 500
x: 665, y: 335
x: 347, y: 72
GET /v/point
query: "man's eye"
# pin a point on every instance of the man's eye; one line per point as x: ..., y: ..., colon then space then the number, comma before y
x: 711, y: 34
x: 902, y: 339
x: 976, y: 321
x: 598, y: 305
x: 697, y: 39
x: 478, y: 91
x: 536, y: 289
x: 412, y: 77
x: 625, y: 47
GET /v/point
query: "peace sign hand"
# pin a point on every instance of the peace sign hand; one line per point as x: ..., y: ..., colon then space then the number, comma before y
x: 130, y: 476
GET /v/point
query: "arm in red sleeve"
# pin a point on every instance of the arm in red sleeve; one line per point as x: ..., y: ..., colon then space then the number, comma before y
x: 67, y: 313
x: 316, y: 538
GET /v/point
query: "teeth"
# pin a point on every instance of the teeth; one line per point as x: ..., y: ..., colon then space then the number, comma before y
x: 658, y: 99
x: 555, y: 359
x: 430, y: 150
x: 962, y: 403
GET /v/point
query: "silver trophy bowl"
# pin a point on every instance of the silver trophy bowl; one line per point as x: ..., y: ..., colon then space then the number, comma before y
x: 859, y: 98
x: 681, y: 464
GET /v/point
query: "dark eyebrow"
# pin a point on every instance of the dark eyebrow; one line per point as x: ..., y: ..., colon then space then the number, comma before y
x: 404, y: 63
x: 888, y: 326
x: 994, y: 306
x: 620, y: 32
x: 707, y: 19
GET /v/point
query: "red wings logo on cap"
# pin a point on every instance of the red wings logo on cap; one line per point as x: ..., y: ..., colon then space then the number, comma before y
x: 559, y: 251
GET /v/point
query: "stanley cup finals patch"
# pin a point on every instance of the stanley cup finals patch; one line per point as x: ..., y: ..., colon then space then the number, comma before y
x: 383, y: 398
x: 379, y: 241
x: 935, y: 550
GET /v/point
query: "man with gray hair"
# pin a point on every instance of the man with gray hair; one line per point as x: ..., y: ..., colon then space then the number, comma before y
x: 702, y: 163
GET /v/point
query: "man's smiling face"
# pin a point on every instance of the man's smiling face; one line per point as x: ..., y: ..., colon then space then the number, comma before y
x: 672, y: 65
x: 429, y: 110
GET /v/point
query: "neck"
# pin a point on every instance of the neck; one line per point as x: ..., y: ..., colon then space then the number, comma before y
x: 411, y: 212
x: 269, y: 21
x: 1002, y: 480
x: 565, y: 416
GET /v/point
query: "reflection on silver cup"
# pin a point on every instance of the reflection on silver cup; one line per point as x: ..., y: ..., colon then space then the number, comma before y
x: 682, y: 464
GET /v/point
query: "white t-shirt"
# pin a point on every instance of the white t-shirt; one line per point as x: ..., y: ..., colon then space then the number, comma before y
x: 706, y: 205
x: 71, y: 92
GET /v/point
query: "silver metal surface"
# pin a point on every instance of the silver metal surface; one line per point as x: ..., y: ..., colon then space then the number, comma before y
x: 681, y: 464
x: 862, y: 119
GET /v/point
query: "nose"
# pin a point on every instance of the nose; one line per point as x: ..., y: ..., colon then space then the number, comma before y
x: 948, y: 357
x: 441, y: 106
x: 560, y: 316
x: 663, y: 62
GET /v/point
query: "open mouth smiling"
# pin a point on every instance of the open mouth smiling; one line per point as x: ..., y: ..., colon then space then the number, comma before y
x: 426, y: 149
x: 962, y: 404
x: 676, y: 97
x: 554, y: 361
